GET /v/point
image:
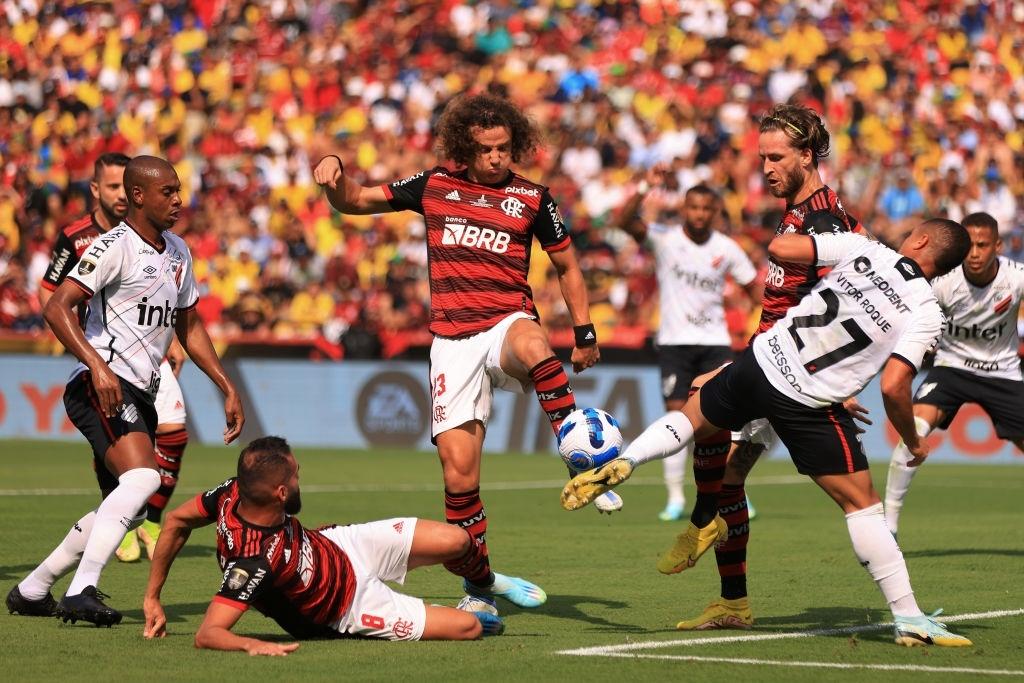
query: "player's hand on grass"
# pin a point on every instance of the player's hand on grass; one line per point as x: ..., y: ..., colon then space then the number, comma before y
x: 328, y: 172
x: 584, y: 358
x: 108, y: 389
x: 857, y: 412
x: 156, y: 620
x: 234, y: 417
x: 920, y: 451
x: 259, y: 647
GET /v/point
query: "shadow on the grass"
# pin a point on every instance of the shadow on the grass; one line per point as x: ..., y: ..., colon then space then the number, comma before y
x: 814, y: 618
x: 15, y: 572
x: 175, y: 613
x: 953, y: 552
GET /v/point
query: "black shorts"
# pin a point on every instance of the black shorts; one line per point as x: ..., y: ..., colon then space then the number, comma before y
x: 680, y: 365
x: 138, y: 414
x: 1003, y: 399
x: 819, y: 440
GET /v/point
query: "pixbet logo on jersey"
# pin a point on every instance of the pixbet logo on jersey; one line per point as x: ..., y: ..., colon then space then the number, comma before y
x: 165, y: 315
x: 474, y: 236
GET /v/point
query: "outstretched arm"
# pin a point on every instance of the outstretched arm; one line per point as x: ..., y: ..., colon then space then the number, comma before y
x: 177, y: 527
x: 793, y: 248
x: 196, y: 342
x: 215, y: 634
x: 897, y: 397
x: 574, y: 292
x: 344, y: 193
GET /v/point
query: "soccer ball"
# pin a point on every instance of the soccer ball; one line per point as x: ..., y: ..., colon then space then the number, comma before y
x: 589, y: 438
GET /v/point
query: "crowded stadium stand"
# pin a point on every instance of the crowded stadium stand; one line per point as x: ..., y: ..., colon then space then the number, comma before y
x: 924, y: 100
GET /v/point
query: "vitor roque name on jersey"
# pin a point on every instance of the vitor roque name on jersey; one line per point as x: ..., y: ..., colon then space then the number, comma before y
x: 166, y: 316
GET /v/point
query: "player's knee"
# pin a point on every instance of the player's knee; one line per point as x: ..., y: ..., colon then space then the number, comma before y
x: 455, y: 540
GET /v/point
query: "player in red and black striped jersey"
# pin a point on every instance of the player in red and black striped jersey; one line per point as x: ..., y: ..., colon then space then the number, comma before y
x: 107, y: 187
x: 481, y: 220
x: 792, y: 141
x: 326, y: 582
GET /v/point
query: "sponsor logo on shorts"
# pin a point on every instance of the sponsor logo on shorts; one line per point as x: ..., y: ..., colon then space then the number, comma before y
x: 393, y: 409
x: 130, y: 413
x: 440, y: 414
x: 926, y: 389
x: 398, y: 526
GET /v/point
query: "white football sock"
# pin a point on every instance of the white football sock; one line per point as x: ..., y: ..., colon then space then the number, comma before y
x: 898, y: 482
x: 675, y: 471
x: 119, y: 513
x: 65, y: 556
x: 878, y: 552
x: 667, y: 435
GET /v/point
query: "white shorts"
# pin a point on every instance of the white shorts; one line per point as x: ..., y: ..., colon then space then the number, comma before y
x: 170, y: 403
x: 465, y: 372
x: 379, y: 552
x: 758, y: 431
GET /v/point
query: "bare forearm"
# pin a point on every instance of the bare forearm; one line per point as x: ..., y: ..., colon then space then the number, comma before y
x: 199, y: 348
x: 173, y: 537
x: 629, y: 218
x: 574, y: 292
x: 219, y: 638
x: 899, y: 408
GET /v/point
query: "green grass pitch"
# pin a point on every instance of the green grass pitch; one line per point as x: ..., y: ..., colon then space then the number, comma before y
x: 961, y: 534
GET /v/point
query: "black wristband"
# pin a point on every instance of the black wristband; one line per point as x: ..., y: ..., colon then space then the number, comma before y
x: 586, y: 335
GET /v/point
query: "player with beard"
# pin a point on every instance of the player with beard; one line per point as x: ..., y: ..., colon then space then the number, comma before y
x: 315, y: 583
x: 977, y: 359
x: 107, y: 187
x: 139, y: 279
x: 791, y: 143
x: 692, y: 263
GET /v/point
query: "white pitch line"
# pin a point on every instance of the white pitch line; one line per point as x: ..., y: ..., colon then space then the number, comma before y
x: 826, y: 665
x: 614, y: 650
x: 557, y: 484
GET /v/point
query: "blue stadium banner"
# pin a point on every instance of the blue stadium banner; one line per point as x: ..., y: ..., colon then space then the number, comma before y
x: 357, y: 404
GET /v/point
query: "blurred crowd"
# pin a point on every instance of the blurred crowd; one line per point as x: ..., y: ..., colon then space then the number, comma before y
x: 924, y: 100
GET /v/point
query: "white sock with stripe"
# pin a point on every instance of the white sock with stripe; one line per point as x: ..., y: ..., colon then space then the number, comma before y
x: 900, y: 475
x: 118, y: 513
x: 58, y: 563
x: 878, y: 552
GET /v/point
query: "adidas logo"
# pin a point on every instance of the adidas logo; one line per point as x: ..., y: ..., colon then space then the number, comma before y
x: 177, y: 404
x: 398, y: 527
x: 453, y: 195
x: 590, y: 335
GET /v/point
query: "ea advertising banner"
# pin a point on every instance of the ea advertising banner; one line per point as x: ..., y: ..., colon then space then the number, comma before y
x: 357, y: 404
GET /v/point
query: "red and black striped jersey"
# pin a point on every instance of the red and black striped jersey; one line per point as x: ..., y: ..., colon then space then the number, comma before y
x: 478, y: 244
x: 786, y: 283
x: 295, y: 576
x: 71, y: 243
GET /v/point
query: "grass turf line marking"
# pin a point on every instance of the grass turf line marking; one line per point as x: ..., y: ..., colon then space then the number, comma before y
x: 824, y: 665
x: 781, y: 480
x: 617, y: 650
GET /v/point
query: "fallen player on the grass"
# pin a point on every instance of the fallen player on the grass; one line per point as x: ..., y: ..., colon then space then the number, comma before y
x: 874, y: 312
x: 315, y: 583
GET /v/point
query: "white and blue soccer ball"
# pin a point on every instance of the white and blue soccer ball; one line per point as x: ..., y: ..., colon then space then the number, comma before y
x: 589, y: 438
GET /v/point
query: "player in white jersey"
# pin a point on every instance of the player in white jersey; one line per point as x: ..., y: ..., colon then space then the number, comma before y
x: 873, y: 312
x: 977, y: 359
x: 138, y: 278
x: 692, y: 262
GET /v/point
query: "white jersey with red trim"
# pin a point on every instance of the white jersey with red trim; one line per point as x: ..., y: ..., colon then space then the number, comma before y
x: 980, y: 335
x: 874, y: 304
x: 137, y: 290
x: 691, y: 284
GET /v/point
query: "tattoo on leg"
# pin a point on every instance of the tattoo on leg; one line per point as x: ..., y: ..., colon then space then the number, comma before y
x: 744, y: 458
